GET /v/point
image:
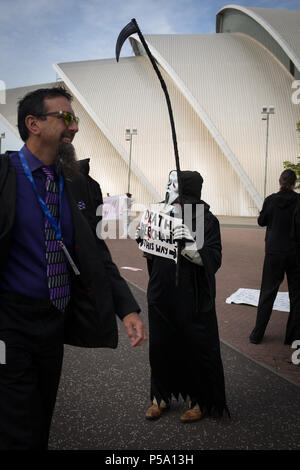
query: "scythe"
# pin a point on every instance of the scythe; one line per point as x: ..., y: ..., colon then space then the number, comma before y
x: 128, y: 30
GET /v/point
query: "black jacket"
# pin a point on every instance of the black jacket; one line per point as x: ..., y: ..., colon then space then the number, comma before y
x: 277, y: 215
x: 296, y: 224
x: 99, y: 293
x: 94, y: 187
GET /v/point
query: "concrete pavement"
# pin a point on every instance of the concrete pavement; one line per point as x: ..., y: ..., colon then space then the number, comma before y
x: 104, y: 393
x: 242, y: 262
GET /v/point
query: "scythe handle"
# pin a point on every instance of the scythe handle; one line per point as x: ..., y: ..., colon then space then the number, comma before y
x: 174, y: 137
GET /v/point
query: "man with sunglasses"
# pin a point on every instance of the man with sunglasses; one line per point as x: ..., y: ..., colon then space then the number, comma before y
x: 58, y: 283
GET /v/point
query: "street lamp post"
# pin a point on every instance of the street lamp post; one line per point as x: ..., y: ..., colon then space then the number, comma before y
x: 128, y: 136
x: 2, y: 136
x: 266, y: 111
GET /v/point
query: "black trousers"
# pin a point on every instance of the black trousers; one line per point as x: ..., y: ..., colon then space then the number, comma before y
x: 275, y: 266
x: 32, y: 332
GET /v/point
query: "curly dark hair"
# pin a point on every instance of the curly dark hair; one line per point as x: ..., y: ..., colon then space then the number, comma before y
x: 33, y: 103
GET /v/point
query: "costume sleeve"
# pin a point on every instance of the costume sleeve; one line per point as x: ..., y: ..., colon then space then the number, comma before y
x: 211, y: 252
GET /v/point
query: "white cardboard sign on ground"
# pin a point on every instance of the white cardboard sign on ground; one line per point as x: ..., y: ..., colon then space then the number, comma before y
x: 251, y: 296
x: 131, y: 269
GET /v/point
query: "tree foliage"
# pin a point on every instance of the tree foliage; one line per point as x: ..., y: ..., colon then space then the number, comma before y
x: 294, y: 166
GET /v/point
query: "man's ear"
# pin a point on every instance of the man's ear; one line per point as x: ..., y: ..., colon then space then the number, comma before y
x: 32, y: 124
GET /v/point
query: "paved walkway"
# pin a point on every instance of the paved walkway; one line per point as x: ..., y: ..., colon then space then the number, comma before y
x: 243, y: 255
x: 104, y: 393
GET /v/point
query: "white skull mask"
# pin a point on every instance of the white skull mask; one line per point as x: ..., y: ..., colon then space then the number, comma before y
x: 172, y: 188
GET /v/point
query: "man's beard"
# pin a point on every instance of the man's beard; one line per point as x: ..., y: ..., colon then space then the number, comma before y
x: 66, y: 160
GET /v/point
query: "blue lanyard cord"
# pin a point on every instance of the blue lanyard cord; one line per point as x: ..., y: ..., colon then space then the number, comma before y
x: 56, y: 227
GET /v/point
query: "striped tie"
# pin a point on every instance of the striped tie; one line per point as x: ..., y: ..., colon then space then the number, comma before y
x: 57, y: 271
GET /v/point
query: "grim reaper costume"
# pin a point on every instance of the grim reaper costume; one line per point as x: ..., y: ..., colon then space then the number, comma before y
x: 184, y: 346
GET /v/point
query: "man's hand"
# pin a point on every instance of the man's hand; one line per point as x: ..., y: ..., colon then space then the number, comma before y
x: 135, y: 328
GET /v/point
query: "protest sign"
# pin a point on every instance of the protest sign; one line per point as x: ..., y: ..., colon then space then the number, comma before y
x: 156, y: 233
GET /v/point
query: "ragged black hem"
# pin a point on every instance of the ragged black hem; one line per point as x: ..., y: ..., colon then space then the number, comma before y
x: 212, y: 409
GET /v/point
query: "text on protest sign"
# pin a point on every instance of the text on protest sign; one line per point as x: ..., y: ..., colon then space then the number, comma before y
x: 156, y: 232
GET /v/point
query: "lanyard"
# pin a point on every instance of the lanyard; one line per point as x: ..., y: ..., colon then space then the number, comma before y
x: 56, y: 226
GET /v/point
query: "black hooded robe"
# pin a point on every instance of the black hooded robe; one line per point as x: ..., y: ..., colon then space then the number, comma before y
x: 184, y: 347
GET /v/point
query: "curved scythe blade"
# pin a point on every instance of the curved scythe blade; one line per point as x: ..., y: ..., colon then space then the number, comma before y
x: 127, y: 31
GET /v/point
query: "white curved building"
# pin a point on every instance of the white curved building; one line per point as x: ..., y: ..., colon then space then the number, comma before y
x: 218, y: 85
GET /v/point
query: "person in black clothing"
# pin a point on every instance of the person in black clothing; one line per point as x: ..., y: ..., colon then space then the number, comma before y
x: 58, y: 282
x: 281, y: 256
x: 94, y: 187
x: 184, y: 347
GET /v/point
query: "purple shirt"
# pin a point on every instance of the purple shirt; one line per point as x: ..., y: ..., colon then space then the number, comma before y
x: 25, y: 270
